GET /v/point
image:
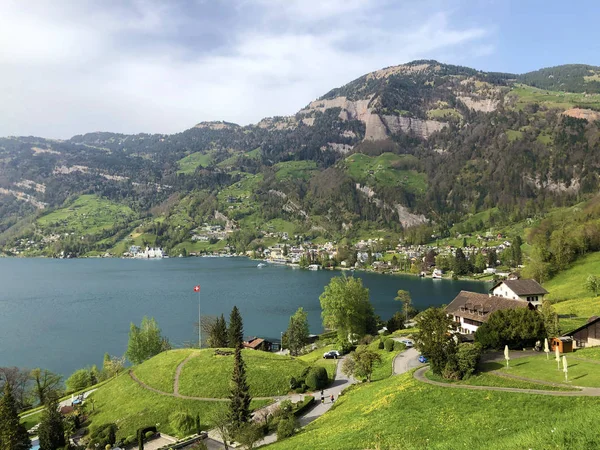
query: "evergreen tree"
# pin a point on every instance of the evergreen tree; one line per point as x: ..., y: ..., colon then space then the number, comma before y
x: 517, y: 253
x: 461, y: 265
x: 218, y: 333
x: 51, y: 431
x: 239, y: 407
x: 13, y: 435
x: 235, y: 332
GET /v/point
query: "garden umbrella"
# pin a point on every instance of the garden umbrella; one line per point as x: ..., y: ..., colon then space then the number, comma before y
x: 565, y: 368
x: 546, y: 348
x: 557, y: 352
x: 506, y: 356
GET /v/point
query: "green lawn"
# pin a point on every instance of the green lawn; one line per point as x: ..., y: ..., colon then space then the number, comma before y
x: 570, y: 283
x: 588, y: 353
x: 159, y: 372
x: 193, y: 161
x: 126, y: 403
x: 208, y: 375
x: 444, y: 114
x: 581, y: 373
x: 552, y: 99
x: 576, y: 312
x: 402, y: 413
x: 88, y: 214
x: 490, y: 379
x: 32, y: 420
x: 295, y: 170
x: 387, y: 169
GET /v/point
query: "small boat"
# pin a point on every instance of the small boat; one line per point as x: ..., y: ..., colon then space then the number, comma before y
x: 437, y: 274
x: 261, y: 265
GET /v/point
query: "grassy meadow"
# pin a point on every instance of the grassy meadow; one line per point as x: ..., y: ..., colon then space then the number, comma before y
x: 570, y: 283
x: 191, y: 162
x: 403, y: 413
x: 493, y: 380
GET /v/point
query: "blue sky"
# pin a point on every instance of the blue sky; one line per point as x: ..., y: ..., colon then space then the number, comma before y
x: 70, y: 67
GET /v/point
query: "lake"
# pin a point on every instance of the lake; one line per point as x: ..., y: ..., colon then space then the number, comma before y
x: 65, y: 314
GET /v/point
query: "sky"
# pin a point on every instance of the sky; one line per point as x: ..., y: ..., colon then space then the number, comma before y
x: 74, y: 66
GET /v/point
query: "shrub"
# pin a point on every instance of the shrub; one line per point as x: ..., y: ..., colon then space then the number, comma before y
x: 399, y: 346
x: 103, y: 435
x: 344, y: 347
x: 317, y: 378
x: 366, y: 339
x: 293, y: 383
x: 389, y: 345
x: 467, y: 358
x: 149, y: 434
x: 130, y: 440
x: 182, y: 422
x: 286, y: 427
x: 381, y: 345
x: 79, y: 380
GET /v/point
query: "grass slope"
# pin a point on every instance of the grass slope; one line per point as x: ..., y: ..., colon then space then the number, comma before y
x: 490, y: 379
x: 570, y: 283
x: 574, y: 313
x: 292, y: 170
x: 159, y: 372
x: 387, y: 169
x: 124, y: 402
x: 581, y: 373
x: 402, y: 413
x: 208, y: 375
x: 191, y: 162
x: 88, y: 214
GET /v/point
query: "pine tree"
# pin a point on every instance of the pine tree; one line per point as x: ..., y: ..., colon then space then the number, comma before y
x: 235, y: 333
x: 13, y: 435
x: 220, y: 332
x: 239, y: 407
x: 51, y: 431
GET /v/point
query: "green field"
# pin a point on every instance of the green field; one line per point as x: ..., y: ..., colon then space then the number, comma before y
x: 159, y: 372
x: 570, y: 283
x: 315, y: 358
x: 402, y: 413
x: 387, y: 169
x: 126, y: 403
x: 514, y: 135
x: 552, y: 99
x: 191, y: 162
x: 444, y: 114
x: 208, y: 375
x: 292, y: 170
x: 574, y: 313
x: 493, y: 380
x: 581, y: 373
x: 87, y: 215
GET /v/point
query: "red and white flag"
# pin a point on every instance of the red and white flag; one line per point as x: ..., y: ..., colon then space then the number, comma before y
x: 197, y: 288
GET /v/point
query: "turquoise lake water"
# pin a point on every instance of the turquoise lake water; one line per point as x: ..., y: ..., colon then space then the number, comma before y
x: 65, y: 314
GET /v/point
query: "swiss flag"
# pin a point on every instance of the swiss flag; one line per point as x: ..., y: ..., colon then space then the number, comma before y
x: 197, y: 288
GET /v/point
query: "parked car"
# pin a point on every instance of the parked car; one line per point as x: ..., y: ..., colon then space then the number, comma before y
x: 333, y: 354
x: 408, y: 343
x: 422, y: 359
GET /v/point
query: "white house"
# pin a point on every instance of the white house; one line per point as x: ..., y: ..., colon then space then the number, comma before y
x: 527, y: 290
x: 470, y: 310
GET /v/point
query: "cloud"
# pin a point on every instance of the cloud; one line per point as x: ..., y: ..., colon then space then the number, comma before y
x: 142, y: 67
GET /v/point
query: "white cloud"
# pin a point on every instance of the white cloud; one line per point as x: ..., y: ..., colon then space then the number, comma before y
x: 132, y: 68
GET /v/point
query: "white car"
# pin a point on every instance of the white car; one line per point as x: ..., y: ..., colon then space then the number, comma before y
x: 408, y: 343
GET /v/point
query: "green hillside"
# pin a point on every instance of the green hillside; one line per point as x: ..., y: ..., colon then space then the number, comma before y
x: 190, y: 163
x: 570, y: 283
x: 402, y: 413
x: 387, y: 169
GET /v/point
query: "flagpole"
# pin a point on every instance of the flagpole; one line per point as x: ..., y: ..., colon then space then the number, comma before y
x: 199, y: 323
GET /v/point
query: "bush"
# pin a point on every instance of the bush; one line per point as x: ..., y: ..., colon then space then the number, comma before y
x: 182, y: 422
x: 103, y: 435
x: 286, y: 427
x: 293, y: 383
x: 303, y: 405
x: 389, y: 345
x: 381, y: 345
x: 467, y: 358
x: 366, y: 339
x: 317, y: 378
x: 399, y: 346
x: 130, y: 440
x: 79, y: 380
x: 300, y: 390
x: 149, y: 434
x: 345, y: 347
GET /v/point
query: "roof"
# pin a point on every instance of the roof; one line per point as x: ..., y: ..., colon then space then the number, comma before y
x: 253, y: 343
x: 479, y: 307
x: 523, y: 287
x: 591, y: 321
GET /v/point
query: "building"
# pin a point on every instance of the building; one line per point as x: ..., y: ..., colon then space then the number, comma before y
x: 470, y: 310
x: 256, y: 343
x: 586, y: 335
x: 527, y: 290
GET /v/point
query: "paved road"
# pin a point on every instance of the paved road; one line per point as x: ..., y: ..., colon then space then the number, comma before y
x: 406, y: 360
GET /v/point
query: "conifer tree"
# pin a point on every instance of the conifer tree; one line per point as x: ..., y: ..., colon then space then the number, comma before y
x: 13, y: 435
x: 236, y: 329
x: 219, y: 333
x: 239, y: 407
x: 51, y: 431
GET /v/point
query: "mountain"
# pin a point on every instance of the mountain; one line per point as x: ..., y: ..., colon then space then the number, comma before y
x: 408, y: 150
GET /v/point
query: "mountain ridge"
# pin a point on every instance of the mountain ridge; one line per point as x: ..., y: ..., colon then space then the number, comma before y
x: 459, y: 141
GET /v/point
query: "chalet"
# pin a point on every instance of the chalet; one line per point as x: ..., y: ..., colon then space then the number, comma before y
x: 527, y: 290
x: 470, y: 310
x: 256, y: 343
x: 586, y: 335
